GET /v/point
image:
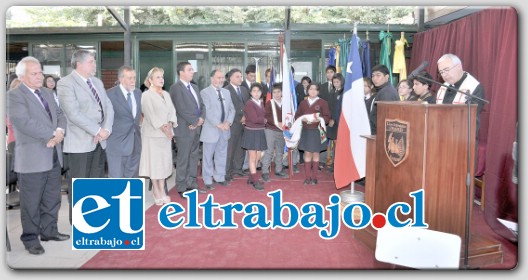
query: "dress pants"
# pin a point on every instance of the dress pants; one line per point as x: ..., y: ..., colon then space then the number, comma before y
x: 235, y: 153
x: 214, y: 161
x: 187, y: 159
x: 85, y: 165
x: 124, y: 166
x: 40, y: 201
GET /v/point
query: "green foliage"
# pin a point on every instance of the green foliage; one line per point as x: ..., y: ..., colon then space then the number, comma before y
x: 350, y: 15
x: 56, y: 16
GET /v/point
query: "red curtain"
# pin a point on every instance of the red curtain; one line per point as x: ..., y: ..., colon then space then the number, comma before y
x: 486, y: 42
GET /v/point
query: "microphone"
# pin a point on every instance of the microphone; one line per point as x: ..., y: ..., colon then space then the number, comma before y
x: 418, y: 70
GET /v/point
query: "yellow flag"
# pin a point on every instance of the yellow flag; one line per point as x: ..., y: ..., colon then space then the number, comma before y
x: 257, y: 73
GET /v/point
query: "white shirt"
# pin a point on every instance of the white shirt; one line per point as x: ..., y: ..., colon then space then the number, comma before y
x: 312, y: 101
x: 132, y: 97
x: 192, y: 90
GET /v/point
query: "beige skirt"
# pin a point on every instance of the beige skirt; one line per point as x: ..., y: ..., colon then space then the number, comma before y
x: 156, y: 158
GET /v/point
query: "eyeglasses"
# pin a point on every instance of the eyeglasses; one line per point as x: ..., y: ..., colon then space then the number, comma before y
x: 445, y: 71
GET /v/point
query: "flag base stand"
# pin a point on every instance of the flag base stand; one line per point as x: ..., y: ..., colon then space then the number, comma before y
x: 351, y: 196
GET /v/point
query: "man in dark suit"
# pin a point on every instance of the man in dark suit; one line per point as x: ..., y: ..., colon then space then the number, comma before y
x: 266, y: 85
x: 90, y: 118
x: 123, y: 149
x: 39, y: 126
x: 251, y: 76
x: 235, y: 153
x: 190, y: 112
x: 326, y: 88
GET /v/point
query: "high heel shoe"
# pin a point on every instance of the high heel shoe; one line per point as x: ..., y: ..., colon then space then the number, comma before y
x: 158, y: 202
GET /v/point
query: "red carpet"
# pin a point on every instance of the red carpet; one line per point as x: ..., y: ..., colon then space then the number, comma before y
x: 258, y: 249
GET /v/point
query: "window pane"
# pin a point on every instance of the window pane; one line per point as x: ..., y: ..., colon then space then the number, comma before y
x: 156, y: 54
x: 198, y: 55
x: 268, y: 54
x: 227, y: 55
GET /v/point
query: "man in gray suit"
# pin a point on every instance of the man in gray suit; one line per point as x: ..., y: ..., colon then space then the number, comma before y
x: 190, y: 112
x: 90, y: 118
x: 123, y: 149
x: 219, y: 116
x: 235, y: 153
x: 39, y: 130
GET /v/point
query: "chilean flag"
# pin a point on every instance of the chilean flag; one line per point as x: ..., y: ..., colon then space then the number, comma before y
x: 351, y: 148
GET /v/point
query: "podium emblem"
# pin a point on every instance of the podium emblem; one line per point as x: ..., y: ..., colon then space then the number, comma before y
x: 396, y: 144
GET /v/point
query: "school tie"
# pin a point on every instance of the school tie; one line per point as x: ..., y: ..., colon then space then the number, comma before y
x: 222, y: 118
x: 129, y: 101
x: 94, y: 92
x: 197, y: 111
x: 44, y: 102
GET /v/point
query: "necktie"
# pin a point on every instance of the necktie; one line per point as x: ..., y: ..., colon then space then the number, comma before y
x: 222, y: 118
x: 239, y: 94
x: 129, y: 101
x: 329, y: 87
x: 44, y: 102
x: 94, y: 92
x: 197, y: 111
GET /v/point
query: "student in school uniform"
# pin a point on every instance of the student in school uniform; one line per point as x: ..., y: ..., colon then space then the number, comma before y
x: 254, y: 138
x: 313, y: 140
x: 274, y: 135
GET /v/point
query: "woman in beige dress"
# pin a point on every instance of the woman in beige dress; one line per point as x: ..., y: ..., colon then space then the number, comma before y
x: 159, y: 117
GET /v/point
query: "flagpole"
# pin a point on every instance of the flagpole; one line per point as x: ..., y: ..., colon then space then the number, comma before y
x: 352, y: 196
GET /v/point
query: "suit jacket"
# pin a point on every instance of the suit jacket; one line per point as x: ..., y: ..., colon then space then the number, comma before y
x: 210, y: 132
x: 125, y: 131
x: 83, y: 112
x: 324, y: 93
x: 246, y: 84
x: 299, y: 92
x: 239, y: 104
x: 185, y: 105
x: 265, y: 88
x: 33, y: 129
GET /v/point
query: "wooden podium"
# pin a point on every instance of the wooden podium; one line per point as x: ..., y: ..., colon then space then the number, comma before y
x: 425, y: 146
x: 421, y: 146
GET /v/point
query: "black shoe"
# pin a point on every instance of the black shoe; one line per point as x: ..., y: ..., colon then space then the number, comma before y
x: 200, y: 190
x: 181, y: 195
x: 209, y: 187
x: 314, y: 182
x: 240, y: 173
x: 265, y: 177
x: 360, y: 182
x: 228, y: 178
x: 307, y: 182
x: 258, y: 186
x: 36, y: 250
x: 281, y: 174
x: 224, y: 183
x: 58, y: 237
